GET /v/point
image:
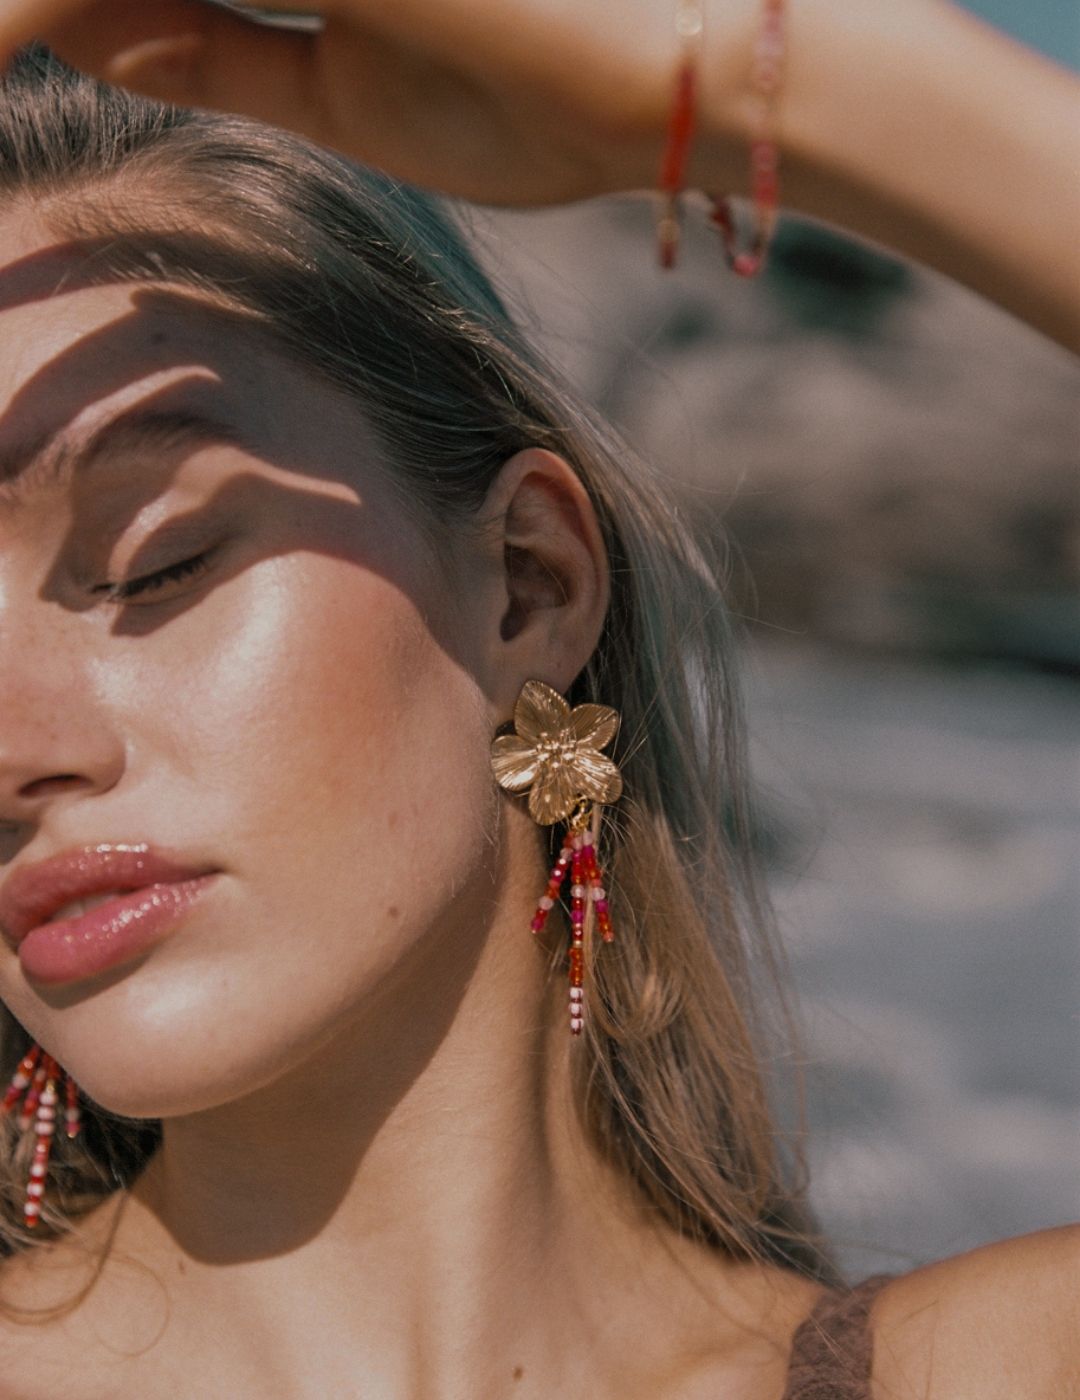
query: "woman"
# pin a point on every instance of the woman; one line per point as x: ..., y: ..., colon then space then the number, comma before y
x: 291, y: 520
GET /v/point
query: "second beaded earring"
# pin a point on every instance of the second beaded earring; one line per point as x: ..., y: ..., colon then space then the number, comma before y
x: 37, y: 1082
x: 554, y: 755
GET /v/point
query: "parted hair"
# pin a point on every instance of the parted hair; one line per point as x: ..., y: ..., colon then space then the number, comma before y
x: 371, y: 284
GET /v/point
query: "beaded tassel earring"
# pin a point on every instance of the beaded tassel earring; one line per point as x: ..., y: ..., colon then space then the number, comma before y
x: 40, y: 1077
x: 554, y: 755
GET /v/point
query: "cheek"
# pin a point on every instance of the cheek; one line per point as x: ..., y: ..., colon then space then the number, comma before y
x: 336, y: 754
x: 332, y: 723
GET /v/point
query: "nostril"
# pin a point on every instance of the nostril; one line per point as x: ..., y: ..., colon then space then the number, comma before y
x: 41, y: 787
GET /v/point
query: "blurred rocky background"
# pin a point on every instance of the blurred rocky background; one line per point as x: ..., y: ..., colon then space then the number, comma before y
x: 895, y: 464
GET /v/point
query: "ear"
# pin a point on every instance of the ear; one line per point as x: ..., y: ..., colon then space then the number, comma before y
x: 549, y: 566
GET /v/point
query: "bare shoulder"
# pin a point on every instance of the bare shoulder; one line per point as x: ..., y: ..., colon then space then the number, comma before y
x: 998, y: 1323
x: 56, y: 1325
x: 33, y: 1350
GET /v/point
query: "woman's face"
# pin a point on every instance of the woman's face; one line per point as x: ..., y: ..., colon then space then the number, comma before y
x: 301, y: 713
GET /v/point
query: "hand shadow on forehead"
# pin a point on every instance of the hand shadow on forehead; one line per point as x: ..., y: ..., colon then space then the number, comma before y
x: 100, y: 364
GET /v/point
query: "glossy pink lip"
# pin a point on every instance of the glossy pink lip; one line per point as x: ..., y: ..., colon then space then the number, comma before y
x: 30, y: 896
x: 108, y: 935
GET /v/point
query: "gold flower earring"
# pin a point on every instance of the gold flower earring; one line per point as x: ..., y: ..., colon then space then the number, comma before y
x: 554, y: 755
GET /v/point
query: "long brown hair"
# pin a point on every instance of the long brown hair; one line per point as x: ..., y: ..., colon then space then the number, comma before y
x: 367, y: 282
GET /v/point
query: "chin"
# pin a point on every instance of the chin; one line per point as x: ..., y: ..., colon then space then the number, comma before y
x: 149, y: 1087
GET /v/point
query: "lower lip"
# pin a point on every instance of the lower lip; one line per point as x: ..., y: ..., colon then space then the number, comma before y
x: 109, y: 934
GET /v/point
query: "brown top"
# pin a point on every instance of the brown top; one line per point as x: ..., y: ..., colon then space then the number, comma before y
x: 832, y: 1351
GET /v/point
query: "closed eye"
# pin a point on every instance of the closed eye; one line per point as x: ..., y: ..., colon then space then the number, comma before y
x: 160, y: 578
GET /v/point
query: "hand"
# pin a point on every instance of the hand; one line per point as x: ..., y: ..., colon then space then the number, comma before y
x: 499, y: 101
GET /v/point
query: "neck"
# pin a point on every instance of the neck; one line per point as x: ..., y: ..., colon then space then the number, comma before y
x: 431, y: 1188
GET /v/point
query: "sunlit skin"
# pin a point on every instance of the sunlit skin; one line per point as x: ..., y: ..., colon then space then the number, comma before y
x: 371, y: 1167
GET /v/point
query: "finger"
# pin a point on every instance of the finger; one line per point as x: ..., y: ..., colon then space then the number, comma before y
x: 285, y: 14
x: 23, y: 20
x: 193, y: 55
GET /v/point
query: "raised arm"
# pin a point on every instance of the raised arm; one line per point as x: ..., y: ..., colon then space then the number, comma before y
x: 908, y: 122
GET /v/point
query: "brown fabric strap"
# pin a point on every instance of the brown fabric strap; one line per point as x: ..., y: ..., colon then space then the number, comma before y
x: 832, y: 1351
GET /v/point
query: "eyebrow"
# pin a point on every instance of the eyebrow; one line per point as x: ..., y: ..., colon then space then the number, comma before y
x: 49, y: 460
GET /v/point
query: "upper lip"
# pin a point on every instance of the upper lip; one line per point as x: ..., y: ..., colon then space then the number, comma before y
x: 29, y: 896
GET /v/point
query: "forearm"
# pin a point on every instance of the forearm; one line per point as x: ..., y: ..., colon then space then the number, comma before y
x: 911, y: 123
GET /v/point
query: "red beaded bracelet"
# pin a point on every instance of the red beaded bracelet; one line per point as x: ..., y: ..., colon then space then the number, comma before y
x: 767, y: 81
x: 690, y: 25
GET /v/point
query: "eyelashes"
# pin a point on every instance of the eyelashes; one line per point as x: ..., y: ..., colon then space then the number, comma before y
x: 151, y: 584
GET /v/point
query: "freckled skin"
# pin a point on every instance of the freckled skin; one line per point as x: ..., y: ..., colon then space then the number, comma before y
x: 281, y: 718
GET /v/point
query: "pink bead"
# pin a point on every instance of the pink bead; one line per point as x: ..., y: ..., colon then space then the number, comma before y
x: 763, y: 155
x: 601, y: 906
x: 746, y: 264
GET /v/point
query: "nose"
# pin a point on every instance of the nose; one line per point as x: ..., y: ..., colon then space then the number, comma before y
x: 56, y: 740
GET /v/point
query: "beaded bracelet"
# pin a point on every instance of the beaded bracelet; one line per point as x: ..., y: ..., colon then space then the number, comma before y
x: 767, y: 81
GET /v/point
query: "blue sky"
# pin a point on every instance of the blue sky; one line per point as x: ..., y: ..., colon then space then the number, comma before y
x: 1050, y: 25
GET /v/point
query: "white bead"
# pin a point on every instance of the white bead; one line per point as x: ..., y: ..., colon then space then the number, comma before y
x: 547, y: 902
x: 44, y: 1129
x: 36, y: 1190
x: 577, y: 993
x: 38, y: 1169
x: 576, y: 1023
x: 577, y: 891
x: 31, y: 1208
x: 598, y: 892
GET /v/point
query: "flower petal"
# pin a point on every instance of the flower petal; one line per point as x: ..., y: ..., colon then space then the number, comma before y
x: 596, y: 777
x: 540, y: 711
x: 554, y: 795
x: 595, y: 725
x: 514, y: 762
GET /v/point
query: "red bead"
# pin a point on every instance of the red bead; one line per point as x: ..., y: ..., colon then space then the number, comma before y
x: 680, y: 130
x: 766, y: 187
